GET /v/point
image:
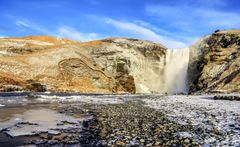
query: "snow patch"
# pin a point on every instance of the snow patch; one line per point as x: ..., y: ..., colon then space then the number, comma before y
x: 203, y: 112
x: 80, y: 98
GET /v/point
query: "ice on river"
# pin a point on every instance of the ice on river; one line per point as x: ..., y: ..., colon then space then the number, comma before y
x: 40, y: 120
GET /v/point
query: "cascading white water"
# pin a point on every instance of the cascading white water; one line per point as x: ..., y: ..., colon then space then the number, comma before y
x: 166, y: 75
x: 175, y: 71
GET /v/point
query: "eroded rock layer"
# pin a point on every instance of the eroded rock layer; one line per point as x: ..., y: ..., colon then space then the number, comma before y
x: 218, y: 63
x: 40, y: 63
x: 120, y: 65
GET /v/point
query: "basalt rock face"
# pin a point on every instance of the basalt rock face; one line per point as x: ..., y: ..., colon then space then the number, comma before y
x: 218, y: 64
x: 40, y: 63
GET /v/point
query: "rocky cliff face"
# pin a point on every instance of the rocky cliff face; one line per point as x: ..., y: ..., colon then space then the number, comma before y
x: 217, y: 63
x: 114, y: 65
x: 40, y: 63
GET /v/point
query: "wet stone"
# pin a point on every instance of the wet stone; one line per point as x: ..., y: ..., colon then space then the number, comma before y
x: 52, y: 142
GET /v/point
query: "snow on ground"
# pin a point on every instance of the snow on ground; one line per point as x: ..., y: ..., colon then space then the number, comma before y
x: 195, y: 101
x: 80, y: 98
x: 203, y: 112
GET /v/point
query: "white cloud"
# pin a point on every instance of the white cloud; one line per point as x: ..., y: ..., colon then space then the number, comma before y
x: 72, y: 33
x: 25, y: 24
x: 21, y: 23
x: 64, y: 32
x: 137, y: 28
x: 152, y: 27
x: 145, y: 33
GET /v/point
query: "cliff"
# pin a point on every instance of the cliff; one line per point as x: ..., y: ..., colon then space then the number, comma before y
x: 40, y: 63
x: 217, y: 66
x: 120, y: 65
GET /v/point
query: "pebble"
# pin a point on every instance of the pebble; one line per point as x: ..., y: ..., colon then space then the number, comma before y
x: 131, y: 124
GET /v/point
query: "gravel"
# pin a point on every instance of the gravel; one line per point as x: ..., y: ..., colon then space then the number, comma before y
x: 133, y: 120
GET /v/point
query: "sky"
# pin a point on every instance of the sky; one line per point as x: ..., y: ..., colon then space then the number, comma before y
x: 173, y: 23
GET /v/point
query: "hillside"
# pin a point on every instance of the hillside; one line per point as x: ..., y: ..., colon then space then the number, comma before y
x: 120, y: 65
x: 39, y: 63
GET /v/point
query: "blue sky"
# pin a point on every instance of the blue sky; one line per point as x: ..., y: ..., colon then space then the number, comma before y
x: 174, y: 23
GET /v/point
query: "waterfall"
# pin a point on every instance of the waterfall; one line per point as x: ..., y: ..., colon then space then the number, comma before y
x: 166, y: 75
x: 175, y: 71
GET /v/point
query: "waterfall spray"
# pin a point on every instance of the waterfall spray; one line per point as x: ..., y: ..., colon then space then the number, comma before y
x: 175, y: 71
x: 166, y: 75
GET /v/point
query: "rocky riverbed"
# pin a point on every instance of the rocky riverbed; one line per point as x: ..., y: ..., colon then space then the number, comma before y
x: 42, y: 119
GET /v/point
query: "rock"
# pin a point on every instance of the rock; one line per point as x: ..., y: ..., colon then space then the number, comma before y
x: 39, y: 142
x: 149, y: 145
x: 136, y: 125
x: 218, y: 64
x: 52, y: 142
x: 157, y: 143
x: 126, y: 82
x: 227, y: 97
x: 114, y: 65
x: 45, y: 136
x: 142, y: 140
x: 186, y: 141
x: 119, y: 143
x: 35, y: 86
x: 60, y: 137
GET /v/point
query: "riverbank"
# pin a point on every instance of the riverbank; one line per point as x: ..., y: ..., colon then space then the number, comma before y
x: 119, y: 120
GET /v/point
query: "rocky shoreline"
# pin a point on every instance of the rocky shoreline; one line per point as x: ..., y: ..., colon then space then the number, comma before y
x: 131, y: 120
x: 116, y: 125
x: 134, y: 125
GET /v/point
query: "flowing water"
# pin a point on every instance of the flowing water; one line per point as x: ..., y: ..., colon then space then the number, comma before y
x: 175, y: 73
